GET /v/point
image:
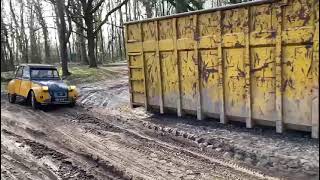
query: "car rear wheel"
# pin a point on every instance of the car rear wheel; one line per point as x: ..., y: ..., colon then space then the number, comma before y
x: 11, y: 98
x: 34, y: 103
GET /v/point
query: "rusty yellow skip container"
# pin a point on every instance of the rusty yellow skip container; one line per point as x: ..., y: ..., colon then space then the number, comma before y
x: 255, y: 62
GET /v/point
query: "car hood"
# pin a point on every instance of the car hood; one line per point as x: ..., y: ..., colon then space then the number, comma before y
x: 53, y: 84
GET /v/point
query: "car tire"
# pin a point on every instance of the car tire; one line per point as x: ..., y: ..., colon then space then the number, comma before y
x: 72, y: 104
x: 11, y: 98
x: 34, y: 104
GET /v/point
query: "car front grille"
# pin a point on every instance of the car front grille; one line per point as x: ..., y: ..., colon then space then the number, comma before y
x: 60, y: 94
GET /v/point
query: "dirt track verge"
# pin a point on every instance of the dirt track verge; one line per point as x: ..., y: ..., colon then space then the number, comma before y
x: 66, y: 170
x: 81, y: 145
x: 292, y: 154
x: 221, y: 150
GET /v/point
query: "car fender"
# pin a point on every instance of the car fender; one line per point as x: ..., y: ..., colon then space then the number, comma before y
x: 11, y: 87
x: 74, y: 93
x: 38, y: 92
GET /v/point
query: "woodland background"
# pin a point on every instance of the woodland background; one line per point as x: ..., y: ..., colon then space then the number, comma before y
x: 88, y: 32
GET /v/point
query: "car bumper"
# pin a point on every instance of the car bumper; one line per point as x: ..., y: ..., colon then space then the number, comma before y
x: 49, y: 101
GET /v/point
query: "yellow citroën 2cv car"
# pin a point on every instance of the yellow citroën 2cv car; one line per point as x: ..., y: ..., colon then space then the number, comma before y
x: 40, y: 84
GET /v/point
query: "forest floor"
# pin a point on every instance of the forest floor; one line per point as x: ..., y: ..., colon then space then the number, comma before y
x: 103, y: 138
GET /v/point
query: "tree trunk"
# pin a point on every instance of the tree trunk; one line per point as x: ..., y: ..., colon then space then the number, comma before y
x: 16, y: 44
x: 135, y: 11
x: 126, y: 11
x: 62, y: 29
x: 129, y: 12
x: 120, y: 44
x: 97, y: 38
x: 112, y: 43
x: 81, y: 47
x: 7, y: 61
x: 23, y: 37
x: 10, y: 62
x: 102, y: 47
x: 91, y: 44
x: 34, y: 55
x: 92, y: 31
x: 14, y: 51
x: 116, y: 43
x: 70, y: 52
x: 82, y: 50
x: 148, y: 5
x: 44, y: 27
x: 180, y: 6
x: 4, y: 67
x: 122, y: 38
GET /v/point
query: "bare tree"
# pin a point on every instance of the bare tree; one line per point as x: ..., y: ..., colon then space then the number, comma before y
x: 29, y: 30
x: 64, y: 34
x: 17, y: 37
x: 43, y: 24
x: 21, y: 37
x: 184, y: 5
x: 121, y: 37
x: 24, y: 37
x: 89, y: 7
x: 34, y: 51
x: 149, y: 6
x: 80, y: 36
x: 6, y: 58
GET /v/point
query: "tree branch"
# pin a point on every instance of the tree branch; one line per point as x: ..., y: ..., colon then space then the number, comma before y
x: 76, y: 22
x: 69, y: 22
x: 117, y: 26
x: 184, y: 4
x: 80, y: 34
x: 76, y: 11
x: 108, y: 14
x: 97, y: 6
x: 121, y: 27
x: 71, y: 31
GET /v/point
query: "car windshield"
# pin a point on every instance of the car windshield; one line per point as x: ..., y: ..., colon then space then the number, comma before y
x: 44, y: 74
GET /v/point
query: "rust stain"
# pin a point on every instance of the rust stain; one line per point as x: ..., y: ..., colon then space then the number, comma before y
x: 238, y: 44
x: 196, y: 37
x: 288, y: 83
x: 265, y: 65
x: 303, y: 15
x: 241, y: 73
x: 206, y: 72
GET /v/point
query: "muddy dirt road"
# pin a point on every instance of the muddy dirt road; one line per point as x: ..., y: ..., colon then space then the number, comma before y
x: 102, y: 138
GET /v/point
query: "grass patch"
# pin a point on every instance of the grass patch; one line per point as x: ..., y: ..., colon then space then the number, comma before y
x: 83, y: 74
x: 79, y: 74
x: 3, y: 87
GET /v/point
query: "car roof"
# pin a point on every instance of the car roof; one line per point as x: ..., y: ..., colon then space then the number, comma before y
x: 39, y: 65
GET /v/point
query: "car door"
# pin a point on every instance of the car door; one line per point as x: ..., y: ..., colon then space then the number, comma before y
x: 25, y: 82
x: 17, y: 81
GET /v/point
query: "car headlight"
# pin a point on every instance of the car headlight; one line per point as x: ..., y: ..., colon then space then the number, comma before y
x: 71, y: 88
x: 45, y: 88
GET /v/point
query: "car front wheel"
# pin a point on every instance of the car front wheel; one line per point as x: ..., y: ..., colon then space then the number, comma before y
x: 34, y: 103
x: 11, y: 98
x: 72, y: 104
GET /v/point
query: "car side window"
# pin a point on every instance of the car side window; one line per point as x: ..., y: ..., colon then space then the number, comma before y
x: 26, y: 73
x: 19, y: 72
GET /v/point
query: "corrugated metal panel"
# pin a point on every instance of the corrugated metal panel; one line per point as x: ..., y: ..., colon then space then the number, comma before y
x: 253, y: 62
